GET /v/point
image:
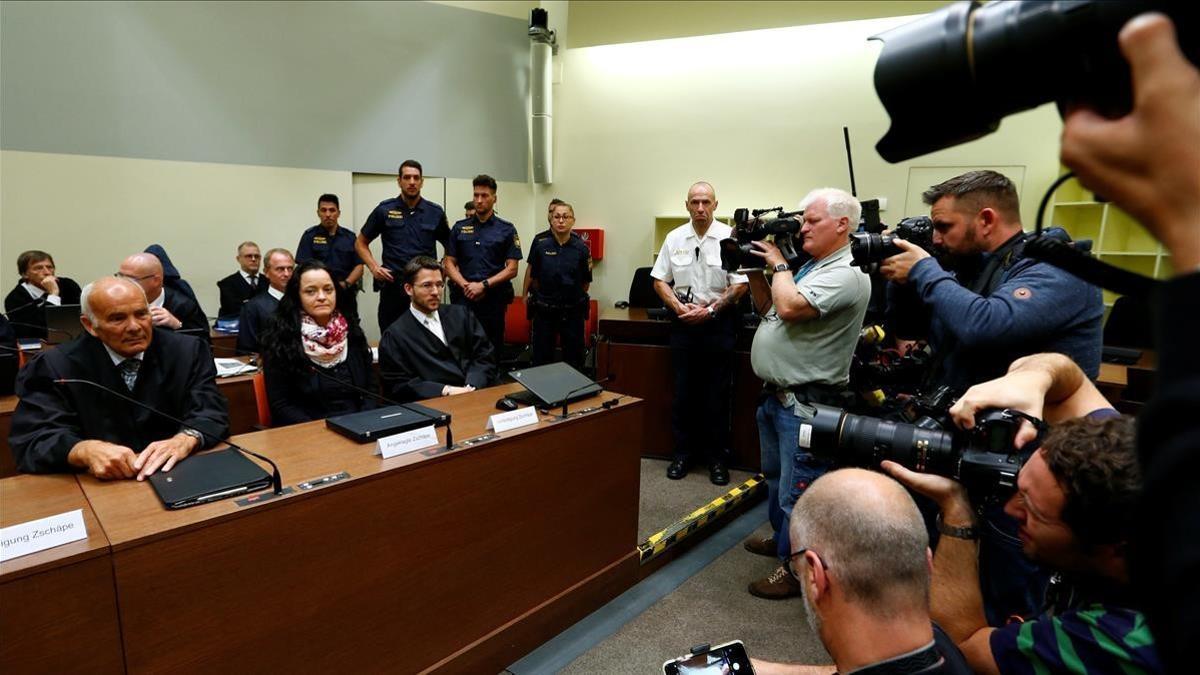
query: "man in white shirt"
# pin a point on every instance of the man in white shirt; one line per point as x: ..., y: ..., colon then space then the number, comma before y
x: 704, y: 298
x: 237, y: 288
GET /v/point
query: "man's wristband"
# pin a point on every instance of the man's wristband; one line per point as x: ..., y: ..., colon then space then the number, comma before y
x: 485, y: 283
x: 970, y: 533
x: 188, y: 431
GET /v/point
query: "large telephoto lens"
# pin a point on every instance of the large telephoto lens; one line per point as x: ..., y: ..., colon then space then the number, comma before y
x: 867, y: 441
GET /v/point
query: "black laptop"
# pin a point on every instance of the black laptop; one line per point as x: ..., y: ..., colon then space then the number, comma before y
x: 208, y: 477
x: 552, y: 385
x: 62, y: 323
x: 370, y: 425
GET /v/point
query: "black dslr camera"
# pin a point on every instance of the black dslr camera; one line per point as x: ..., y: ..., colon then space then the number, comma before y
x: 867, y: 249
x: 750, y: 226
x: 982, y: 459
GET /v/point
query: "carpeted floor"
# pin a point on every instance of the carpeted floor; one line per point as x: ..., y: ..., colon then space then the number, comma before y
x: 663, y: 501
x: 712, y: 606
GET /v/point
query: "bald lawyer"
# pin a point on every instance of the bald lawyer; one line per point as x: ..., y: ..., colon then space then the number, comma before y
x: 169, y: 308
x: 59, y: 427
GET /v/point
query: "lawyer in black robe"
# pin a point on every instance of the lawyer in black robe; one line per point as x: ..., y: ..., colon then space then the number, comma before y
x: 416, y: 365
x: 253, y: 320
x: 177, y: 376
x: 236, y: 291
x: 188, y: 312
x: 23, y: 309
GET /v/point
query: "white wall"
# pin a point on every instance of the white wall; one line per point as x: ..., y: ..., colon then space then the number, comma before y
x: 759, y: 114
x: 91, y: 212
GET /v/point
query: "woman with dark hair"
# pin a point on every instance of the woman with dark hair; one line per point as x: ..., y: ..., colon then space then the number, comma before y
x: 308, y: 346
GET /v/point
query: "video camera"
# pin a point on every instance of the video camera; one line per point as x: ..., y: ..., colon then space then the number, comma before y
x: 982, y: 459
x: 750, y: 226
x: 867, y: 249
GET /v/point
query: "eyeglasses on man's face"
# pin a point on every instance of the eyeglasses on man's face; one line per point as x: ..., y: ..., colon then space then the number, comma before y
x: 791, y: 563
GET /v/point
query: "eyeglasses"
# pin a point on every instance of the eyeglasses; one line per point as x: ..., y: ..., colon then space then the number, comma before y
x: 790, y: 563
x: 133, y: 278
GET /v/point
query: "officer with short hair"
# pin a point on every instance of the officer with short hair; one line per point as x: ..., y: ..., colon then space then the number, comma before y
x: 481, y: 261
x: 410, y: 226
x: 334, y: 245
x: 560, y: 270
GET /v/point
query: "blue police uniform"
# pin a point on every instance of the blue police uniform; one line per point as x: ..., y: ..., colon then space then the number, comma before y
x: 407, y: 233
x: 337, y: 252
x: 481, y: 249
x: 558, y: 303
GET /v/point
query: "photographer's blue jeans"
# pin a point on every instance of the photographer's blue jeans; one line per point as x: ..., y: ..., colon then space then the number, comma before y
x: 788, y: 468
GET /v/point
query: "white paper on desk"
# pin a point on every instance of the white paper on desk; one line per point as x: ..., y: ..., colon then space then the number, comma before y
x: 513, y: 419
x: 398, y: 444
x: 41, y: 534
x: 231, y: 367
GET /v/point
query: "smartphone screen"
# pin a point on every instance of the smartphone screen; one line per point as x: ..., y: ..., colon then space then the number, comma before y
x: 727, y: 659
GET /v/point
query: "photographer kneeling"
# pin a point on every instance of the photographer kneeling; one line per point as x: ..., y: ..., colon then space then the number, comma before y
x: 1074, y: 504
x: 802, y: 353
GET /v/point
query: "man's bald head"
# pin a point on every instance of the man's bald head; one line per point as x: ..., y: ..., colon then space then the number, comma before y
x: 701, y: 204
x: 868, y: 530
x: 145, y: 269
x: 115, y: 311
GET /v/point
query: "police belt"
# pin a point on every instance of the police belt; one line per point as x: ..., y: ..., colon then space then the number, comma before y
x: 544, y: 306
x: 825, y: 394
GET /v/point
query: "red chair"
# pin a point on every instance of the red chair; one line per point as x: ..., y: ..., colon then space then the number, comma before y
x: 516, y: 325
x: 260, y: 400
x: 593, y: 324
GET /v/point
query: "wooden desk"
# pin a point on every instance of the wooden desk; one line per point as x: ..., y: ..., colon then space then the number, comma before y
x: 1114, y: 378
x: 8, y: 465
x: 59, y: 605
x: 224, y: 344
x: 460, y: 561
x: 633, y: 350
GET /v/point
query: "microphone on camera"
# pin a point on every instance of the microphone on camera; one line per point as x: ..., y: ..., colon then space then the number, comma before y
x: 45, y: 384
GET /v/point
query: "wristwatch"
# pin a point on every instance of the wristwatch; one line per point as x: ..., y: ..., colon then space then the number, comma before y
x: 485, y: 283
x: 188, y: 431
x: 969, y: 533
x: 781, y: 267
x: 712, y: 313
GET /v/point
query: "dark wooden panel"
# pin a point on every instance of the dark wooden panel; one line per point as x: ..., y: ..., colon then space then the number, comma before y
x: 415, y: 562
x: 8, y: 465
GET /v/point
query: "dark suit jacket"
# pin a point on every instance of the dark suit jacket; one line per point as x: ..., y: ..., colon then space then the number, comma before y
x: 186, y: 310
x: 24, y: 309
x: 235, y: 291
x: 9, y: 357
x: 177, y: 376
x: 253, y: 320
x: 416, y: 365
x: 300, y: 396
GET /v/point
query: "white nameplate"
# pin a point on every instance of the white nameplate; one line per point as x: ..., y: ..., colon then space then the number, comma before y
x: 398, y: 444
x: 41, y: 534
x: 513, y: 419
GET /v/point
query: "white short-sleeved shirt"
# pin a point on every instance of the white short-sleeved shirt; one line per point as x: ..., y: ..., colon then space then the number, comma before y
x: 694, y: 263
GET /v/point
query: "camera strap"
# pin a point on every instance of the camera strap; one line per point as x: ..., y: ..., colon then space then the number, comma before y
x: 999, y: 261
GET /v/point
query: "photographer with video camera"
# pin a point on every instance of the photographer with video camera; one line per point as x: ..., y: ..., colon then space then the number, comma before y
x: 802, y: 351
x: 1014, y: 305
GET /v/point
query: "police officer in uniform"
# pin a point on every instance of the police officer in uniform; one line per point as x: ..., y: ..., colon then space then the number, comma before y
x: 528, y: 280
x: 334, y: 246
x: 410, y: 226
x: 481, y: 261
x: 560, y: 266
x: 704, y: 299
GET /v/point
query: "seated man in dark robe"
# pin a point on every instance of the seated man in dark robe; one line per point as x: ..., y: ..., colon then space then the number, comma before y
x: 39, y: 286
x: 60, y: 426
x: 169, y: 308
x: 256, y: 312
x: 433, y: 349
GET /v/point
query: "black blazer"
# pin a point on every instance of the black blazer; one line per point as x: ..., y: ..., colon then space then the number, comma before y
x: 235, y: 291
x: 177, y: 376
x: 187, y: 311
x: 415, y: 365
x: 253, y: 319
x: 299, y: 396
x: 23, y: 309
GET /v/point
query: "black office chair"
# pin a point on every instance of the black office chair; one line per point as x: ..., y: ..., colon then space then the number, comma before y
x: 641, y: 290
x: 1129, y: 324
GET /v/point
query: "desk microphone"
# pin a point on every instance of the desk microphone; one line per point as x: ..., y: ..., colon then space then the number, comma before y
x: 43, y: 383
x: 576, y: 390
x: 378, y: 397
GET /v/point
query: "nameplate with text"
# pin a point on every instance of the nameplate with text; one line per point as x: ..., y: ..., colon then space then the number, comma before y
x: 41, y: 534
x: 398, y: 444
x: 513, y: 419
